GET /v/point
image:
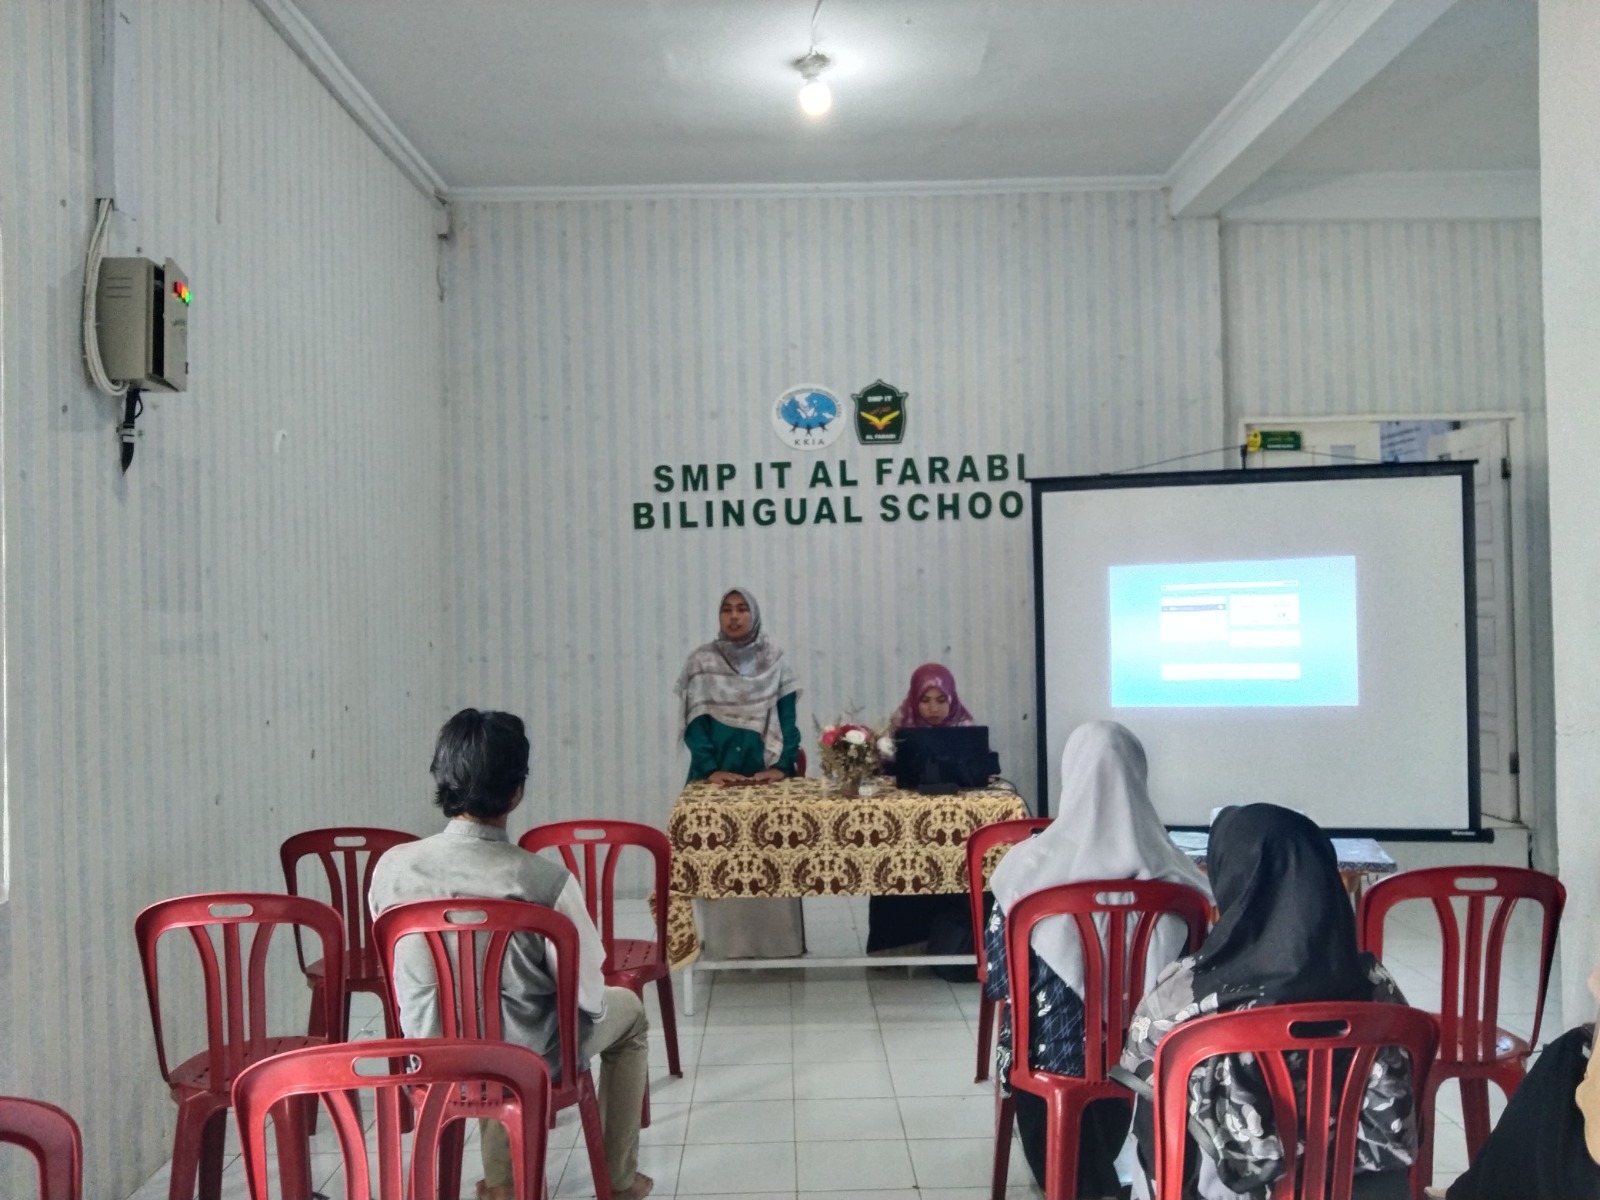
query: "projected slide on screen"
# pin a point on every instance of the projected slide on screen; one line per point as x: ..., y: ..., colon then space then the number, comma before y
x: 1265, y: 633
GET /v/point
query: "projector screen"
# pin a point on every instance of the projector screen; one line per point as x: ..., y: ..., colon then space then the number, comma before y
x: 1298, y: 636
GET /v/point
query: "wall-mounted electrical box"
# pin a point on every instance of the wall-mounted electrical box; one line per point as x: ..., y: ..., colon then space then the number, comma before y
x: 142, y: 317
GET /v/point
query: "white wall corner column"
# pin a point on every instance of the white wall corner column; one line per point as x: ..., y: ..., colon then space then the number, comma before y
x: 1569, y: 144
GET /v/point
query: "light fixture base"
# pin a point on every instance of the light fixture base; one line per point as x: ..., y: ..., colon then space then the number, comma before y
x: 812, y: 64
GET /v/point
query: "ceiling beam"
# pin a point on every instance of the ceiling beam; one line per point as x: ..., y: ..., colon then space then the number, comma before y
x: 1333, y: 53
x: 302, y: 36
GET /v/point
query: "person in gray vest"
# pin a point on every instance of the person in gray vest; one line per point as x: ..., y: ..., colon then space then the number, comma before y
x: 480, y: 767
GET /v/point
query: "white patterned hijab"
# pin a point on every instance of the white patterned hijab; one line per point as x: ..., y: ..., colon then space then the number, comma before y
x: 738, y: 683
x: 1105, y: 828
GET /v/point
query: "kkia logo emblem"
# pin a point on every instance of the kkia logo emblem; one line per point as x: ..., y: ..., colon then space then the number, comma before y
x: 807, y: 418
x: 880, y: 414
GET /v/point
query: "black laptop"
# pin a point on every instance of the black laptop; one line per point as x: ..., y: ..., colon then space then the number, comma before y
x: 936, y: 761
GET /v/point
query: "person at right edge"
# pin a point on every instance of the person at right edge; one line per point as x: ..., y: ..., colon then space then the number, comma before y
x: 1547, y: 1144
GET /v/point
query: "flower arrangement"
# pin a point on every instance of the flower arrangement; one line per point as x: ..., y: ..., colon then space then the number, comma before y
x: 851, y: 752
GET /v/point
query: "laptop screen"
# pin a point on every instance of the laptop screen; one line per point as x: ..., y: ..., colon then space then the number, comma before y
x: 938, y: 757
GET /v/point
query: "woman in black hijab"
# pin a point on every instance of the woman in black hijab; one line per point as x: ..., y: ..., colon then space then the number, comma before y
x: 1547, y: 1144
x: 1285, y: 934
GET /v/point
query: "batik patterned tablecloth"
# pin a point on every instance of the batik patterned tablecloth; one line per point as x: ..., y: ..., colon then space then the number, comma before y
x: 800, y: 838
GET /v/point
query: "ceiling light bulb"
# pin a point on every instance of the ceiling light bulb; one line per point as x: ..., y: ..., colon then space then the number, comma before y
x: 815, y: 98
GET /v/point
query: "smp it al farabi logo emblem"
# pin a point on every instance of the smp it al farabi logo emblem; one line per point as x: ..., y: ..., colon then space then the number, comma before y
x: 880, y: 414
x: 808, y: 417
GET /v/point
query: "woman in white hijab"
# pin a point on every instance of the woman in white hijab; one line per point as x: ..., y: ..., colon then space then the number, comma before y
x: 1105, y: 827
x: 737, y: 697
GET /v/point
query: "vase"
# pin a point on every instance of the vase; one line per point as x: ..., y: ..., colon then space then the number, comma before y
x: 850, y: 786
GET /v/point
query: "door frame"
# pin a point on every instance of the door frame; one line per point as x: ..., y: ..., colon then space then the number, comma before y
x: 1530, y: 769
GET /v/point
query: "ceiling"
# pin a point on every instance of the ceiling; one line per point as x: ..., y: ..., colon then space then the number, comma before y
x: 595, y: 94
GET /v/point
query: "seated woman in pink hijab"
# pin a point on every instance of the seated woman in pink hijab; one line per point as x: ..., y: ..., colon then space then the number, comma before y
x: 902, y: 923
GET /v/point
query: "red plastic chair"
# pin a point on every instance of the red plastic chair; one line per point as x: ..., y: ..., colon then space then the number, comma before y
x: 51, y: 1136
x: 590, y: 850
x: 1339, y: 1042
x: 236, y: 1010
x: 979, y: 843
x: 333, y: 1076
x: 469, y: 997
x: 1114, y: 983
x: 347, y: 856
x: 1472, y: 1047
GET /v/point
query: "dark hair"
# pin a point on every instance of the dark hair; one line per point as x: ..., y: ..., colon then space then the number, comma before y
x: 480, y: 762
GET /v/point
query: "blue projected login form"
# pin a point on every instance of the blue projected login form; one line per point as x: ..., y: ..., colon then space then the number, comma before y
x: 1269, y: 633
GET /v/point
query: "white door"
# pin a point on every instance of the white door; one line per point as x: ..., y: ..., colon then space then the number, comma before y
x: 1485, y: 441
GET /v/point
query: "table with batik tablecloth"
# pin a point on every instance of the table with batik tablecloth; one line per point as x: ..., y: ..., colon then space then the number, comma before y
x: 799, y: 837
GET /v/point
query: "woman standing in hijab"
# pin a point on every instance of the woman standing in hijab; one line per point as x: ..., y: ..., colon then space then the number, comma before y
x: 1285, y: 934
x: 901, y: 924
x: 737, y: 717
x: 1105, y: 828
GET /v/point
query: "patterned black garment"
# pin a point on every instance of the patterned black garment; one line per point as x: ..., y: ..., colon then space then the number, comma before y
x: 1056, y: 1016
x: 1056, y: 1026
x: 1285, y: 934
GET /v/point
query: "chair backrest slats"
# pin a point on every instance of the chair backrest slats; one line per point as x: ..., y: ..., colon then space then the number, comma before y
x: 422, y: 1077
x: 235, y: 985
x: 480, y: 932
x: 1114, y: 978
x: 601, y: 843
x: 1472, y: 951
x: 347, y: 855
x: 1332, y: 1048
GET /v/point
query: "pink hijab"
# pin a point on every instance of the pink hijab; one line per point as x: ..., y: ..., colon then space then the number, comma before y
x: 924, y: 677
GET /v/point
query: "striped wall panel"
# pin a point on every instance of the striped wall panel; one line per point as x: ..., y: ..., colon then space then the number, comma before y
x: 590, y: 342
x: 239, y: 639
x: 1335, y: 319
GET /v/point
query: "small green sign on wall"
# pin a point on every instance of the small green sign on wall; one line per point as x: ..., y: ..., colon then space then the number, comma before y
x: 1275, y: 439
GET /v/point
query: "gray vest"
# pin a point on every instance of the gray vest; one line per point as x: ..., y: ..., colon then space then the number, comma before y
x: 468, y: 861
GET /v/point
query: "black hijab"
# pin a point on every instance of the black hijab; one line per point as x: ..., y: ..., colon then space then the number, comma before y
x: 1285, y: 932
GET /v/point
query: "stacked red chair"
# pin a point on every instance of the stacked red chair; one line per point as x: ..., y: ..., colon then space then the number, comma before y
x: 51, y: 1136
x: 346, y: 856
x: 375, y: 1161
x: 467, y: 942
x: 232, y: 934
x: 1339, y: 1042
x: 979, y: 843
x: 590, y: 850
x: 1472, y: 1046
x: 1114, y: 983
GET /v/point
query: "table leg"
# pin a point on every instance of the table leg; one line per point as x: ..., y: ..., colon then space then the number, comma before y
x: 688, y: 990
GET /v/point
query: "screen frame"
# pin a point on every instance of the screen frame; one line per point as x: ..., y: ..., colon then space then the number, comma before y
x: 1462, y: 470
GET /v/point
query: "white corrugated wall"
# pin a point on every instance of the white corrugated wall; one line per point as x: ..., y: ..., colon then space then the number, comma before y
x: 1411, y: 318
x: 239, y: 639
x: 591, y: 341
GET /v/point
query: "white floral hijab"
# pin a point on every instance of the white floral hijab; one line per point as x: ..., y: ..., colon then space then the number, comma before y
x: 738, y: 683
x: 1105, y: 828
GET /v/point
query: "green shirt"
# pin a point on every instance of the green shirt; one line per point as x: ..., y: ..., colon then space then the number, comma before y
x: 714, y: 746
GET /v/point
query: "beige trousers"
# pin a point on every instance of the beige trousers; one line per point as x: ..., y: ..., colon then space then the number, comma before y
x: 621, y: 1041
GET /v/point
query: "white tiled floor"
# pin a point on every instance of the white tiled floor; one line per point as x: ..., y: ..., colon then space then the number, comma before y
x: 857, y: 1084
